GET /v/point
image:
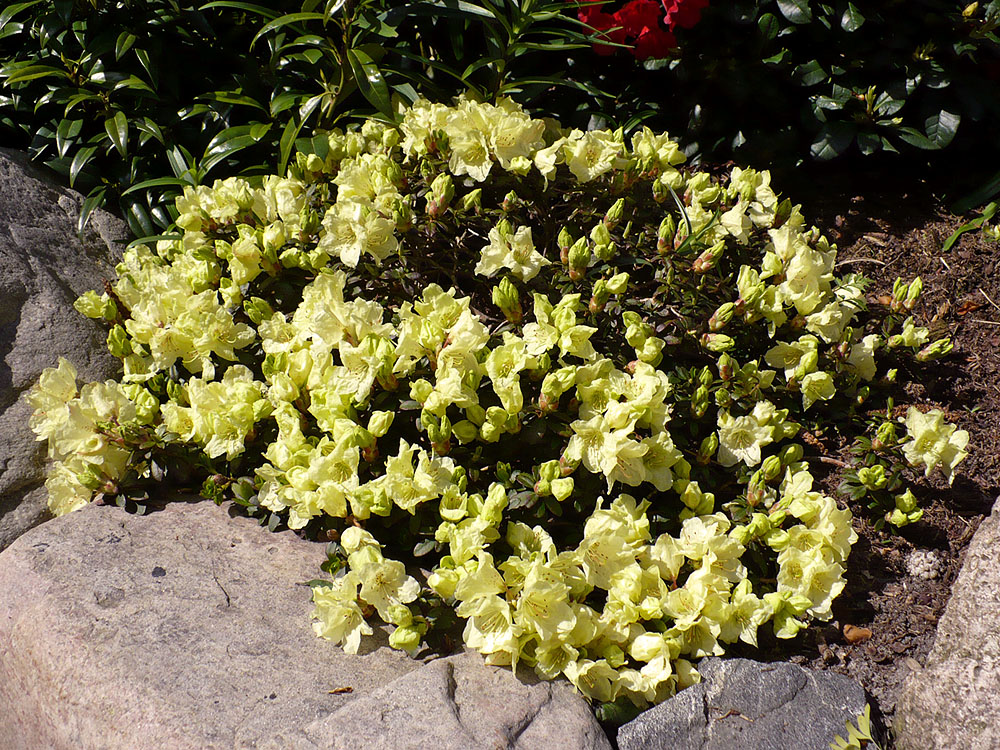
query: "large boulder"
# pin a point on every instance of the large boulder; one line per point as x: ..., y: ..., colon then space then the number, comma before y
x: 188, y: 628
x: 951, y: 703
x: 44, y: 267
x: 747, y: 705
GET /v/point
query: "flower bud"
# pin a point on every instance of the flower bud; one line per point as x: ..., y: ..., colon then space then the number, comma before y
x: 618, y: 283
x: 872, y: 477
x: 771, y: 468
x: 505, y: 297
x: 660, y: 191
x: 705, y: 376
x: 938, y: 349
x: 402, y: 215
x: 579, y: 259
x: 600, y: 296
x: 717, y: 342
x: 379, y: 422
x: 615, y: 214
x: 472, y: 201
x: 727, y: 367
x: 782, y: 213
x: 699, y: 402
x: 665, y: 235
x: 118, y: 342
x: 791, y: 454
x: 707, y: 448
x: 442, y: 191
x: 885, y: 436
x: 913, y: 293
x: 721, y: 317
x: 565, y: 242
x: 562, y: 488
x: 509, y: 201
x: 600, y: 235
x: 708, y: 259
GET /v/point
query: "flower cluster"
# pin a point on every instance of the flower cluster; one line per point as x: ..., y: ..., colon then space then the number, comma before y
x: 646, y: 26
x: 550, y: 381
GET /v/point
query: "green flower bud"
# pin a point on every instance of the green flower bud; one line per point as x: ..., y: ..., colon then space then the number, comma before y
x: 118, y: 342
x: 605, y: 252
x: 258, y: 310
x: 506, y: 297
x: 600, y: 235
x: 465, y: 431
x: 618, y: 283
x: 420, y: 390
x: 791, y: 454
x: 885, y: 436
x: 906, y: 502
x: 660, y: 191
x: 509, y: 201
x: 708, y: 448
x: 91, y: 305
x: 549, y: 470
x: 723, y: 398
x: 406, y: 639
x: 665, y: 235
x: 615, y: 214
x: 727, y: 367
x: 709, y: 259
x: 913, y: 293
x: 600, y: 296
x: 771, y: 468
x: 872, y: 477
x: 379, y: 422
x: 561, y: 488
x: 504, y: 229
x: 717, y: 342
x: 565, y: 242
x: 579, y: 259
x: 472, y: 201
x: 442, y: 191
x: 938, y: 349
x: 705, y: 376
x: 699, y: 402
x: 721, y: 317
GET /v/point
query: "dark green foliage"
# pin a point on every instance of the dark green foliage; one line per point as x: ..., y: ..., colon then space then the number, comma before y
x: 777, y: 82
x: 130, y: 98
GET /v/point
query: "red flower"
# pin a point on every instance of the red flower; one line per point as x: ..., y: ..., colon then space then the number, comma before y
x: 683, y: 13
x: 641, y: 22
x: 592, y: 15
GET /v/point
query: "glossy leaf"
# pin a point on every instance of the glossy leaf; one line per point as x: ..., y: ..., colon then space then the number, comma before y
x: 370, y: 81
x: 796, y: 11
x: 852, y: 19
x: 941, y: 128
x: 834, y: 138
x: 93, y: 201
x: 83, y: 156
x: 117, y: 129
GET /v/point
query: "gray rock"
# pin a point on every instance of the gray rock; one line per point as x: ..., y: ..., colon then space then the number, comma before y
x: 185, y: 629
x: 457, y: 703
x: 951, y: 703
x: 746, y: 705
x: 182, y: 629
x: 44, y: 267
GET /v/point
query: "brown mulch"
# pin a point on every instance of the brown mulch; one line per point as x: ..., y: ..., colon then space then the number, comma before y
x: 885, y: 621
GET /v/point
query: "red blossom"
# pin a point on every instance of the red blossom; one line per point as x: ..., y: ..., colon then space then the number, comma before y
x: 643, y: 24
x: 683, y: 13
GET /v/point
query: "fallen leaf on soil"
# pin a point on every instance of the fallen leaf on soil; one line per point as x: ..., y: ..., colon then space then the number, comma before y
x: 856, y: 635
x: 341, y: 691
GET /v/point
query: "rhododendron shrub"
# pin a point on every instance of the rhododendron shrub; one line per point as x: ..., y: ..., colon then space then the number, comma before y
x: 551, y: 383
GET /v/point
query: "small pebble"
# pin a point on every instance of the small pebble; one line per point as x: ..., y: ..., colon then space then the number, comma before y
x: 923, y: 563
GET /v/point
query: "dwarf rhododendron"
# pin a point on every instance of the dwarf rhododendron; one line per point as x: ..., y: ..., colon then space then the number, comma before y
x: 646, y: 25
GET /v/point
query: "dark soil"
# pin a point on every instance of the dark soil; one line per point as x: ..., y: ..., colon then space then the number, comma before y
x: 884, y: 622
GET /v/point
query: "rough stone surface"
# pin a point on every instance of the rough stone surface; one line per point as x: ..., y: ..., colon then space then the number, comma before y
x: 44, y: 266
x: 952, y: 702
x: 457, y: 703
x: 746, y: 705
x: 185, y: 629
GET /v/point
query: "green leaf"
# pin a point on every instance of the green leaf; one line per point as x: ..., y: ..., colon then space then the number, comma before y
x: 260, y: 10
x: 852, y: 19
x: 796, y: 11
x: 988, y: 213
x: 31, y: 73
x: 941, y: 128
x: 868, y: 143
x: 12, y: 10
x: 285, y: 20
x: 83, y: 156
x: 117, y: 130
x: 833, y: 140
x: 810, y: 73
x: 65, y: 133
x: 94, y: 200
x: 157, y: 182
x: 370, y: 81
x: 123, y: 44
x: 769, y: 26
x: 915, y: 138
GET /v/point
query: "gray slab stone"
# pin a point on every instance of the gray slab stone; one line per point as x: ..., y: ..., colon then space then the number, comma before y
x: 457, y: 703
x: 44, y: 267
x: 747, y: 705
x: 185, y: 629
x: 952, y: 702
